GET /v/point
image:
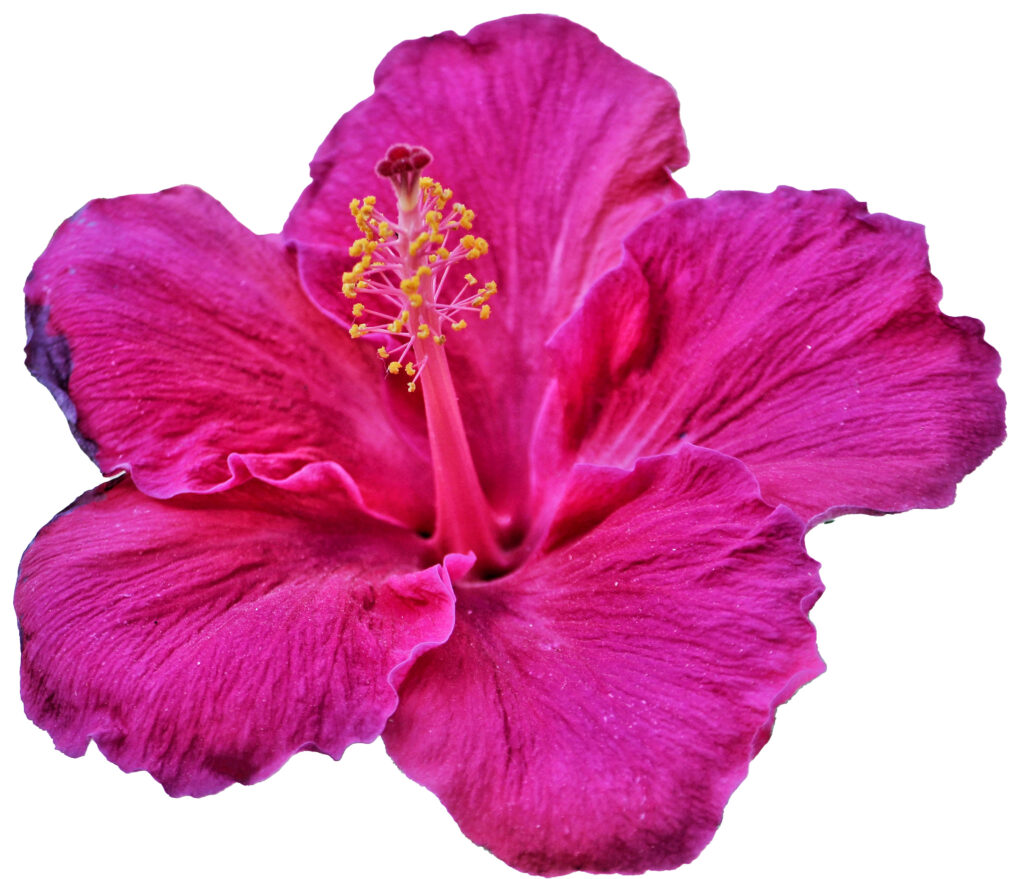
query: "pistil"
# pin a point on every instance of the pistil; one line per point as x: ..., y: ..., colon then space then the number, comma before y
x: 402, y: 286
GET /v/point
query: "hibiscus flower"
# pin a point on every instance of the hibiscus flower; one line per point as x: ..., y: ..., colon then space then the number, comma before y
x: 515, y: 473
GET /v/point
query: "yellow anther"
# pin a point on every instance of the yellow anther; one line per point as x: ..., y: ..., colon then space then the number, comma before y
x: 364, y: 215
x: 363, y: 212
x: 486, y: 292
x: 421, y: 239
x: 378, y: 256
x: 476, y: 246
x: 412, y: 387
x: 398, y: 324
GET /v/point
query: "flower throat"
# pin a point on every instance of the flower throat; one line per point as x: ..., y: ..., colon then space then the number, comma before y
x: 407, y: 296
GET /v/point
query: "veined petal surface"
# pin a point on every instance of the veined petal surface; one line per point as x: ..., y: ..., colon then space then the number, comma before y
x: 207, y: 638
x: 794, y: 331
x: 557, y: 143
x: 594, y: 709
x: 181, y: 347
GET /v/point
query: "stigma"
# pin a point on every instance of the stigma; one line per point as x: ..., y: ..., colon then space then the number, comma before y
x: 407, y: 288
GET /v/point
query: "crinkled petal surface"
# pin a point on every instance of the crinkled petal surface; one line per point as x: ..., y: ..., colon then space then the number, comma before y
x: 557, y: 143
x: 207, y: 638
x: 174, y: 339
x: 794, y: 331
x: 595, y: 709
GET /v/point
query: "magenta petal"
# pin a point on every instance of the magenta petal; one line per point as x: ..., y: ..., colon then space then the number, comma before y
x: 206, y: 639
x: 557, y: 143
x: 174, y: 338
x: 794, y: 331
x: 526, y: 117
x: 595, y: 709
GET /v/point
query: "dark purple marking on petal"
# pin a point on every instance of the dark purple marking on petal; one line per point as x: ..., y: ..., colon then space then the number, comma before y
x: 48, y: 358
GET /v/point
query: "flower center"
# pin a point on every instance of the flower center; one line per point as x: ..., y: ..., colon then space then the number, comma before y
x: 407, y: 295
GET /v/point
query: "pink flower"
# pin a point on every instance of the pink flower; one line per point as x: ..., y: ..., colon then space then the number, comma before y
x: 565, y: 577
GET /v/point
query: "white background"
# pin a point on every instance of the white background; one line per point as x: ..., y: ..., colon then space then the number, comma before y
x: 905, y: 758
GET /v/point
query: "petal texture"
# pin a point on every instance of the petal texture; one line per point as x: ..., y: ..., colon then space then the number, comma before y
x: 595, y: 709
x: 174, y: 338
x: 794, y: 331
x: 557, y: 143
x: 206, y: 639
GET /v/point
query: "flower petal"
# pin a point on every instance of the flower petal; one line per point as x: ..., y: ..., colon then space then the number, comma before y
x: 557, y: 143
x: 794, y: 331
x: 174, y: 338
x: 595, y: 709
x: 207, y: 638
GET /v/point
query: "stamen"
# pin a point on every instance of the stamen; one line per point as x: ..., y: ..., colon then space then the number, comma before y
x: 400, y: 281
x: 407, y: 296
